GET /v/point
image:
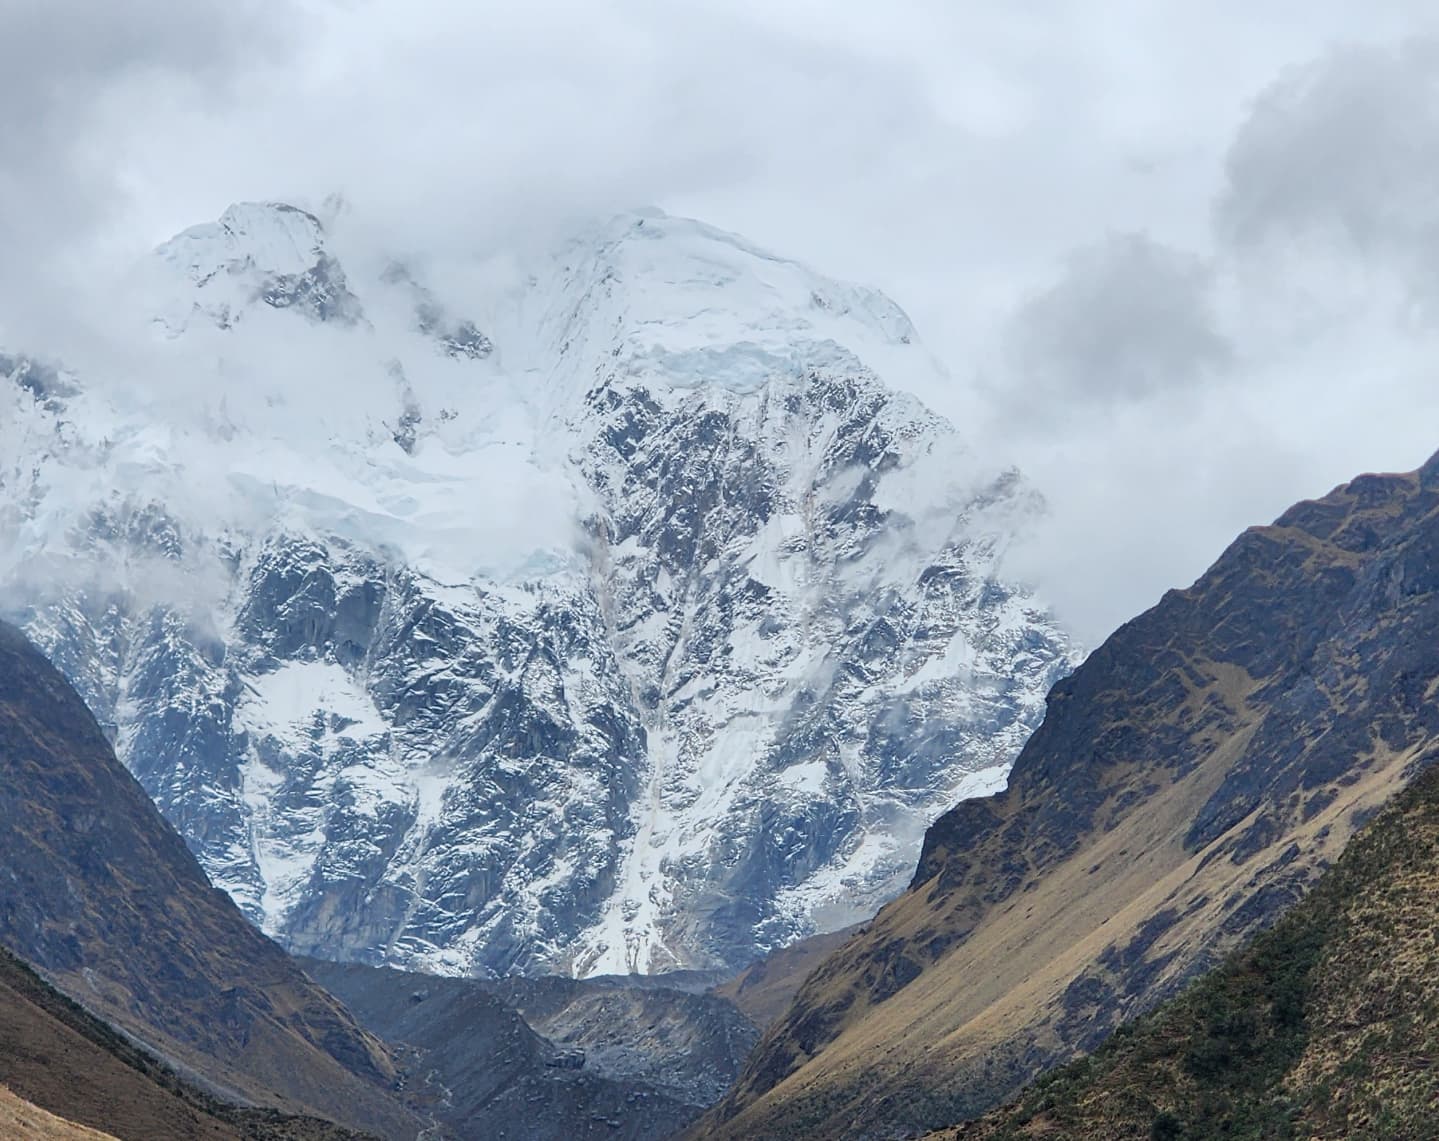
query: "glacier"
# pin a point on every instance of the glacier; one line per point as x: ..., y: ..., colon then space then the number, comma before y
x: 611, y: 609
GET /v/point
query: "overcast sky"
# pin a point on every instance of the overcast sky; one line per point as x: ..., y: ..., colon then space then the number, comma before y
x: 1181, y: 260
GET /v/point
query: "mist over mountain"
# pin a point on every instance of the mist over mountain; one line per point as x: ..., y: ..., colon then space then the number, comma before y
x: 625, y: 615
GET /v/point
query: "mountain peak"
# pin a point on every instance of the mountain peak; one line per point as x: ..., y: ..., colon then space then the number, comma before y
x: 267, y: 237
x: 570, y: 617
x: 679, y: 304
x: 268, y: 252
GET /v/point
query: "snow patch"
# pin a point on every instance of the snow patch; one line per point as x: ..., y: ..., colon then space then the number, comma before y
x: 301, y: 702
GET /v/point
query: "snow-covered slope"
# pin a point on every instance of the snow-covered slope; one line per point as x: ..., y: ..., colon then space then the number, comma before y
x: 614, y: 613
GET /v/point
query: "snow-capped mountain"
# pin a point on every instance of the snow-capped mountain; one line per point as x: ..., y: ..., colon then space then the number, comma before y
x: 607, y: 610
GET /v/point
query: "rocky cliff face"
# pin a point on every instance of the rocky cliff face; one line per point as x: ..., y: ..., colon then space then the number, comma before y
x: 622, y: 617
x: 1188, y: 783
x: 102, y: 894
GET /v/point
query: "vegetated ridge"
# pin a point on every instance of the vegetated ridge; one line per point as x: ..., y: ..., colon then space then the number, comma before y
x: 1325, y: 1028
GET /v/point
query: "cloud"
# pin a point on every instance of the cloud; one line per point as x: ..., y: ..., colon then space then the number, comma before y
x: 80, y: 79
x: 1164, y: 400
x: 1171, y: 254
x: 64, y: 54
x: 1344, y: 149
x: 448, y: 122
x: 73, y: 68
x: 1127, y: 318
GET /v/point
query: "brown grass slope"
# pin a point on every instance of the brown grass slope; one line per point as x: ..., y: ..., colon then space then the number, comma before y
x: 1326, y: 1027
x: 764, y: 989
x: 18, y: 1118
x: 1188, y: 783
x: 67, y: 1062
x: 97, y: 890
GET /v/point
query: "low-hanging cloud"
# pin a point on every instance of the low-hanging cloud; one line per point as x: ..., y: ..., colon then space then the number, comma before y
x: 1248, y: 317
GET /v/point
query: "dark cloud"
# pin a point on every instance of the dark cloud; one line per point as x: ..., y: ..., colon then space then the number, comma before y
x: 1127, y: 318
x: 1343, y: 150
x: 71, y: 65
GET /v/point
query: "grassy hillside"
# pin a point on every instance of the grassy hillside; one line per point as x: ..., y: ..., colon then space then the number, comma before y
x: 18, y: 1118
x: 1327, y: 1026
x: 764, y: 989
